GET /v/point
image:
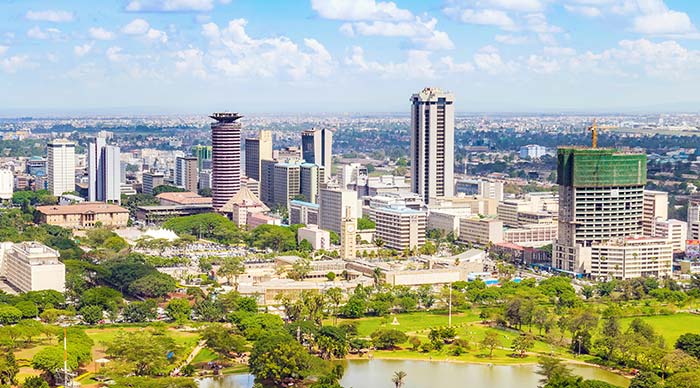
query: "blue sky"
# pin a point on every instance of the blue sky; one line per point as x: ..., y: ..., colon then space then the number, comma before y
x: 196, y: 56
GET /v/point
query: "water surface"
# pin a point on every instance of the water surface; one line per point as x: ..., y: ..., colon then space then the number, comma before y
x: 420, y: 374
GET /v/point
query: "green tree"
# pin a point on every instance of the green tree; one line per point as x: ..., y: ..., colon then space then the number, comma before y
x: 145, y: 351
x: 689, y: 343
x: 179, y: 310
x: 552, y: 369
x: 300, y: 269
x: 388, y: 338
x: 332, y: 342
x: 35, y: 382
x: 154, y: 285
x: 275, y: 237
x: 50, y: 360
x: 279, y: 358
x: 9, y: 314
x: 646, y: 380
x: 399, y: 379
x: 232, y: 267
x: 91, y: 314
x: 140, y: 311
x: 28, y: 309
x: 522, y: 344
x: 8, y: 368
x: 222, y: 340
x: 364, y: 223
x: 491, y: 341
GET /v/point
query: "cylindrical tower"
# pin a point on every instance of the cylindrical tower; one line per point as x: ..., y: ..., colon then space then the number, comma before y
x: 226, y: 157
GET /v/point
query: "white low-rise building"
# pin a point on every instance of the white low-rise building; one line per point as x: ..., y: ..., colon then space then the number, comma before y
x: 32, y: 266
x: 632, y: 258
x: 318, y: 238
x: 675, y: 231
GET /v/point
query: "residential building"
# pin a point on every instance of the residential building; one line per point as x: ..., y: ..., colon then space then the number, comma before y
x: 7, y: 184
x: 532, y: 151
x: 60, y: 161
x: 399, y: 227
x: 301, y: 212
x: 257, y: 149
x: 655, y: 206
x: 480, y: 230
x: 317, y: 148
x: 151, y: 180
x: 84, y: 215
x: 104, y: 171
x: 226, y: 157
x: 32, y: 266
x: 186, y: 173
x: 432, y: 144
x: 601, y: 198
x: 333, y: 205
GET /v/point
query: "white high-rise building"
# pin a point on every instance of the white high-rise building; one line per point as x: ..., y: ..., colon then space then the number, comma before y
x: 655, y: 206
x: 491, y: 189
x: 104, y: 171
x: 32, y: 266
x: 532, y: 151
x: 7, y: 183
x: 432, y: 144
x: 60, y: 166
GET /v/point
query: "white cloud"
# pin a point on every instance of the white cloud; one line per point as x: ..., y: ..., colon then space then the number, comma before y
x: 422, y: 33
x: 489, y: 17
x: 453, y: 67
x: 157, y: 35
x: 140, y: 27
x: 37, y: 33
x: 191, y: 61
x: 3, y: 49
x: 418, y: 65
x: 50, y: 16
x: 517, y: 5
x: 114, y: 54
x: 13, y: 64
x: 169, y: 5
x: 559, y: 51
x: 360, y: 10
x: 100, y: 33
x: 542, y: 65
x: 489, y: 60
x: 511, y: 39
x: 81, y: 50
x: 136, y: 27
x: 236, y: 54
x: 588, y: 11
x: 666, y: 22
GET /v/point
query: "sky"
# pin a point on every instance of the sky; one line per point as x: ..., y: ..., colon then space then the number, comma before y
x: 347, y: 56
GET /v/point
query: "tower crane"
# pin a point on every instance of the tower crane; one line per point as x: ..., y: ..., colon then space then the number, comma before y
x: 594, y: 132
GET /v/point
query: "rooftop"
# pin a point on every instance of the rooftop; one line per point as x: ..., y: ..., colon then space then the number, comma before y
x: 225, y: 117
x: 81, y: 208
x: 184, y: 198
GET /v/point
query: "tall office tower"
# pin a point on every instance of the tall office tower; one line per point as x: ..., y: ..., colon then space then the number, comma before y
x: 255, y: 151
x: 317, y: 148
x: 186, y: 173
x: 286, y: 183
x: 104, y: 171
x: 202, y: 153
x: 601, y: 198
x: 655, y: 207
x: 226, y: 157
x: 432, y: 144
x: 347, y: 236
x: 61, y: 166
x: 333, y: 207
x: 312, y: 176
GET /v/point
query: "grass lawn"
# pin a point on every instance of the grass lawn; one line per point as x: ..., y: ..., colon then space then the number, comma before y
x: 671, y: 326
x: 410, y: 323
x: 204, y: 356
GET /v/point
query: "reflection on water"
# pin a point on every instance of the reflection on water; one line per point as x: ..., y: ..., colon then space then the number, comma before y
x: 421, y: 374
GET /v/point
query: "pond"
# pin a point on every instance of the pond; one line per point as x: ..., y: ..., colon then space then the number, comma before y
x: 377, y: 374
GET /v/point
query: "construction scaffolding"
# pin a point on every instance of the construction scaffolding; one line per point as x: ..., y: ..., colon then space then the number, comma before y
x: 600, y: 167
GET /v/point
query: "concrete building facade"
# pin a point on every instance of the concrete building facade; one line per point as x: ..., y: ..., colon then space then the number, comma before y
x: 432, y: 144
x: 151, y: 180
x: 32, y: 266
x: 186, y: 173
x: 226, y: 157
x: 400, y: 227
x: 655, y: 206
x: 60, y: 166
x: 104, y: 171
x: 333, y: 205
x: 257, y: 149
x: 317, y: 148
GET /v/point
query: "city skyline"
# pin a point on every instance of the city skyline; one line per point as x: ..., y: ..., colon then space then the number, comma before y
x: 155, y: 56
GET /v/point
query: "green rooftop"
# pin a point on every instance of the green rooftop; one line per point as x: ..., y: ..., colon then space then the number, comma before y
x: 596, y: 167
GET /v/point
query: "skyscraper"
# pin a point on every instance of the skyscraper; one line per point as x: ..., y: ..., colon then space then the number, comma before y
x: 61, y: 166
x: 432, y: 144
x: 186, y: 173
x: 104, y: 171
x: 317, y: 148
x: 255, y: 151
x: 312, y: 176
x: 334, y: 205
x: 601, y: 205
x: 226, y: 157
x: 202, y: 153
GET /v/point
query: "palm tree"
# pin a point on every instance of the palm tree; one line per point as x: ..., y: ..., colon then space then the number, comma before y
x: 398, y: 378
